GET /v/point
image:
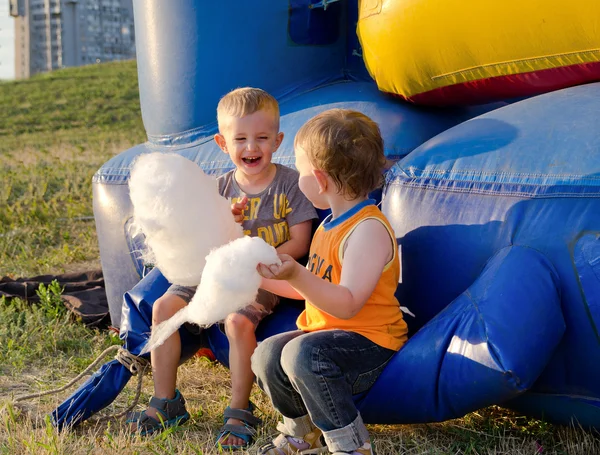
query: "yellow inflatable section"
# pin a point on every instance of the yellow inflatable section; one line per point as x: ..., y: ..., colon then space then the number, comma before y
x: 443, y: 52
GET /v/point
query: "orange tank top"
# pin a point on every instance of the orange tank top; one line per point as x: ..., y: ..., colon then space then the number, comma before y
x: 380, y: 319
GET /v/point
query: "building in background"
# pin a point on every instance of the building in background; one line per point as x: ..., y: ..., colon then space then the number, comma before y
x: 7, y: 42
x: 52, y: 34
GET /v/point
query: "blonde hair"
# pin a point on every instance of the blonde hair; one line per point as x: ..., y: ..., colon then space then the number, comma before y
x: 245, y: 101
x: 348, y: 146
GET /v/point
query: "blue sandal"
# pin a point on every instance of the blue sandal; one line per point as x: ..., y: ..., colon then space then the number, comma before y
x: 245, y: 430
x: 171, y: 413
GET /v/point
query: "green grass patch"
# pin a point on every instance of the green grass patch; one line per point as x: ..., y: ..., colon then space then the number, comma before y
x: 73, y: 105
x: 46, y: 219
x: 57, y: 129
x: 45, y: 336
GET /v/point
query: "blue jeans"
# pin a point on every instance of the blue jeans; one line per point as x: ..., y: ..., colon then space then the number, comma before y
x: 311, y: 378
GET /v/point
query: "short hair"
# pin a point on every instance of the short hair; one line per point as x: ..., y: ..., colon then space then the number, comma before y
x: 245, y: 101
x: 348, y: 146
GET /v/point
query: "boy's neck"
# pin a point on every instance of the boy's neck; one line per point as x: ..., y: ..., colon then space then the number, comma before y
x: 254, y: 184
x: 340, y: 205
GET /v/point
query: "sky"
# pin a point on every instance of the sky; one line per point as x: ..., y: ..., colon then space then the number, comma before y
x: 7, y: 42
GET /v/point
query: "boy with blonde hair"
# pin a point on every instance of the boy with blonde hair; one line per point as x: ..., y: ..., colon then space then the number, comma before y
x: 352, y: 324
x: 267, y: 201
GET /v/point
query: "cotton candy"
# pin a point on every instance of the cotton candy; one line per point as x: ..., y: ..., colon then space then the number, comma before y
x: 193, y: 239
x: 229, y: 282
x: 181, y: 213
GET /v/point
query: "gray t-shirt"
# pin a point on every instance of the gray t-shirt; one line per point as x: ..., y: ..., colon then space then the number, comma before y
x: 270, y: 214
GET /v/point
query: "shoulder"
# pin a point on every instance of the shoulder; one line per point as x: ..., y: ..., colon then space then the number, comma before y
x: 371, y: 225
x: 373, y: 230
x: 225, y: 183
x: 301, y: 207
x: 286, y: 178
x: 227, y: 176
x: 376, y: 219
x: 372, y: 235
x: 287, y: 173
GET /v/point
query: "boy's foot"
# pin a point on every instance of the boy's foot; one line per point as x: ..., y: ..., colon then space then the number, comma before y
x: 229, y: 440
x: 162, y: 413
x: 239, y: 429
x: 311, y: 443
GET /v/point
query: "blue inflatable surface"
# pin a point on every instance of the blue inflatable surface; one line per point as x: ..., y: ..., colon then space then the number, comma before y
x: 496, y: 209
x: 500, y: 217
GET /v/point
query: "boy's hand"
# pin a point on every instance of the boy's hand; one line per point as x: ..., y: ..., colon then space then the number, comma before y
x: 286, y: 271
x: 238, y: 208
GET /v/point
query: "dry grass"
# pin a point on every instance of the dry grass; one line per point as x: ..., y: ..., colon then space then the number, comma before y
x: 46, y: 219
x: 25, y: 430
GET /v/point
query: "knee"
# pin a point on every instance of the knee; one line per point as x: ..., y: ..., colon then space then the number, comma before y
x: 261, y: 358
x: 238, y: 326
x: 297, y: 357
x: 266, y: 356
x: 165, y: 307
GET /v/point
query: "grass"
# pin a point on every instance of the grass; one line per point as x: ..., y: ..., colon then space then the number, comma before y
x: 41, y: 347
x: 53, y: 349
x: 60, y: 128
x: 78, y: 106
x: 57, y: 129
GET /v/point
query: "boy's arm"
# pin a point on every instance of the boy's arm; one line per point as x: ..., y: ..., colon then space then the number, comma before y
x: 281, y: 288
x: 298, y: 244
x: 368, y: 250
x: 300, y: 234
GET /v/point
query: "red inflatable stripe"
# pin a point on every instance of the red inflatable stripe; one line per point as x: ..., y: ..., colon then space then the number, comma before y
x: 507, y: 87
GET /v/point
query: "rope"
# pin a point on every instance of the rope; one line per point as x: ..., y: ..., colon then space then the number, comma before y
x: 136, y: 365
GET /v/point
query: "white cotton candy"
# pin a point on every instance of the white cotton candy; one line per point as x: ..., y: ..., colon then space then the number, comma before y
x: 179, y: 210
x: 193, y: 238
x: 229, y: 282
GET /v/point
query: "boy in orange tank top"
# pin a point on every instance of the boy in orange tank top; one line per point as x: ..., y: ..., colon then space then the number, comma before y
x: 352, y: 324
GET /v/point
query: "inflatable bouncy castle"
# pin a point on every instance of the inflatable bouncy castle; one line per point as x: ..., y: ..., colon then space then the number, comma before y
x: 496, y: 207
x: 449, y: 52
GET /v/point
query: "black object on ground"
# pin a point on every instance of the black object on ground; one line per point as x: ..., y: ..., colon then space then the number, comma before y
x: 83, y: 294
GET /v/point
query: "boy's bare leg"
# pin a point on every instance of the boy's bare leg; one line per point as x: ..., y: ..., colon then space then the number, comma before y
x: 242, y: 342
x: 165, y: 358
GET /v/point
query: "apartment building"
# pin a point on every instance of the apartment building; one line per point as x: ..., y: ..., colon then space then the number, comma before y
x: 52, y: 34
x: 7, y: 43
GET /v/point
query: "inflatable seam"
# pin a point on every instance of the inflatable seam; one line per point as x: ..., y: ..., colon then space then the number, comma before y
x: 120, y: 175
x: 184, y: 138
x: 515, y: 174
x: 479, y: 188
x: 549, y: 59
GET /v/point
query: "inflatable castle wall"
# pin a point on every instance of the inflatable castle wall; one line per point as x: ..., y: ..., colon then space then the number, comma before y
x: 496, y: 207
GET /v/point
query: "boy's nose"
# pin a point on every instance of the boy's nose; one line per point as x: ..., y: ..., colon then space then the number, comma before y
x: 251, y: 145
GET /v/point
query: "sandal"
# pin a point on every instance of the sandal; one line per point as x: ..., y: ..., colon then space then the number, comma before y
x: 245, y: 430
x: 313, y: 443
x: 170, y: 413
x: 366, y: 449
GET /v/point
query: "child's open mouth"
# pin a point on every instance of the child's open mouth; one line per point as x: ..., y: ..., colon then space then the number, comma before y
x: 251, y: 160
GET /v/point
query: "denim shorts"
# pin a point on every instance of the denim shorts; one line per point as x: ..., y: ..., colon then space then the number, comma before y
x: 255, y: 312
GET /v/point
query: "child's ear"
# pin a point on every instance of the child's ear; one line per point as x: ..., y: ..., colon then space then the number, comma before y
x: 278, y: 140
x: 321, y: 177
x: 220, y: 140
